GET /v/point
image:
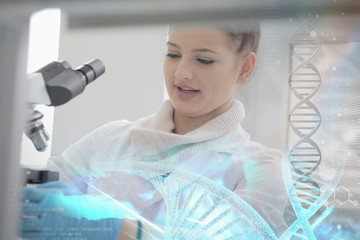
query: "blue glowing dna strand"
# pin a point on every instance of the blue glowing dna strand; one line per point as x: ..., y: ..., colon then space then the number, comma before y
x: 198, y: 208
x: 306, y: 188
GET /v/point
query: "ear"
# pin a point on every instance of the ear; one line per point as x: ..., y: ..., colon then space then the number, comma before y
x: 247, y: 67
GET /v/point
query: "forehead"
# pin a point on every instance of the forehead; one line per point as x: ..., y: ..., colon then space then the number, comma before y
x: 200, y: 37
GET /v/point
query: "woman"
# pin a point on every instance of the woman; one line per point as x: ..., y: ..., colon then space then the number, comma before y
x: 197, y: 132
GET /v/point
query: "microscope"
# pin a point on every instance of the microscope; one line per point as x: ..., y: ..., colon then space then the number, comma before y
x: 53, y: 85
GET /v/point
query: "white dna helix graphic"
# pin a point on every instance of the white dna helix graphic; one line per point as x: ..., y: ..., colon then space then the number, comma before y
x: 198, y: 208
x: 307, y: 188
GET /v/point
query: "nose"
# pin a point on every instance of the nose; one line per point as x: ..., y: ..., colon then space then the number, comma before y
x: 184, y: 70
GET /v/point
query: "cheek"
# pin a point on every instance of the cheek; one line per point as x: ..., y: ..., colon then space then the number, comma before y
x: 221, y: 75
x: 168, y: 76
x: 223, y: 81
x: 168, y: 70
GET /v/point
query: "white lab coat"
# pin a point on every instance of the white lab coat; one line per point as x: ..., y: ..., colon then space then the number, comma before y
x: 226, y: 156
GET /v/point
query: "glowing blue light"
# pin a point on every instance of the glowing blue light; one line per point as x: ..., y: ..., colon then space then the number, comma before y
x: 322, y: 217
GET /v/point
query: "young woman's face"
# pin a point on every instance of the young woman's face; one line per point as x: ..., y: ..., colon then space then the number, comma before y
x: 202, y: 71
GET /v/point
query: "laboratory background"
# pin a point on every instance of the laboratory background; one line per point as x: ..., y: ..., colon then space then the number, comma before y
x: 304, y: 98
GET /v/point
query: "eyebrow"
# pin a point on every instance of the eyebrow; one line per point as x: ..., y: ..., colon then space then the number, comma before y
x: 194, y: 50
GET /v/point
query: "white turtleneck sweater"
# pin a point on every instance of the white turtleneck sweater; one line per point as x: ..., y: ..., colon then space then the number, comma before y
x: 219, y: 150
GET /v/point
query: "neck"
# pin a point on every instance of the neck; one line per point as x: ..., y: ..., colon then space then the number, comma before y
x: 184, y: 124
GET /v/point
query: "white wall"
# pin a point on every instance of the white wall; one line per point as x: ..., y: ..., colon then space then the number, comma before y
x: 131, y: 88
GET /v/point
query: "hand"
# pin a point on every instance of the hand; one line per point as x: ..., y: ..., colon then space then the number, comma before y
x: 57, y: 211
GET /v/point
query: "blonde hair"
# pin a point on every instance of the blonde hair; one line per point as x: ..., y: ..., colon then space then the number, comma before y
x: 248, y: 40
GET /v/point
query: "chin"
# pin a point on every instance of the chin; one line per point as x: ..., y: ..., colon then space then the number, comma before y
x: 183, y: 107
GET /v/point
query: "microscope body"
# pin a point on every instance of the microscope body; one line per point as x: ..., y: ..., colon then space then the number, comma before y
x: 53, y: 85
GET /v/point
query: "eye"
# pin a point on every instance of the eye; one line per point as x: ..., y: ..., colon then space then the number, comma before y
x: 205, y: 61
x: 173, y: 55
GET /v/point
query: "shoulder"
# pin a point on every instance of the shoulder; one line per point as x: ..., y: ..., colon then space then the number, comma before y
x: 119, y: 125
x: 97, y: 144
x: 104, y: 134
x: 112, y: 128
x: 262, y: 183
x: 261, y: 166
x: 256, y: 152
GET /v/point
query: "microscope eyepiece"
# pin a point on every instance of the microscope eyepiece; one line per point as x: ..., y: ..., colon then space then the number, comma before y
x: 91, y: 70
x: 64, y: 83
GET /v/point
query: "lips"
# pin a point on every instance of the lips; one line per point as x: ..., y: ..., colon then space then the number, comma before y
x: 186, y: 92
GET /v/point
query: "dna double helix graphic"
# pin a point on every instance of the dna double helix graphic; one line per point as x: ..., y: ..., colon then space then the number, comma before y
x: 306, y: 186
x: 197, y: 208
